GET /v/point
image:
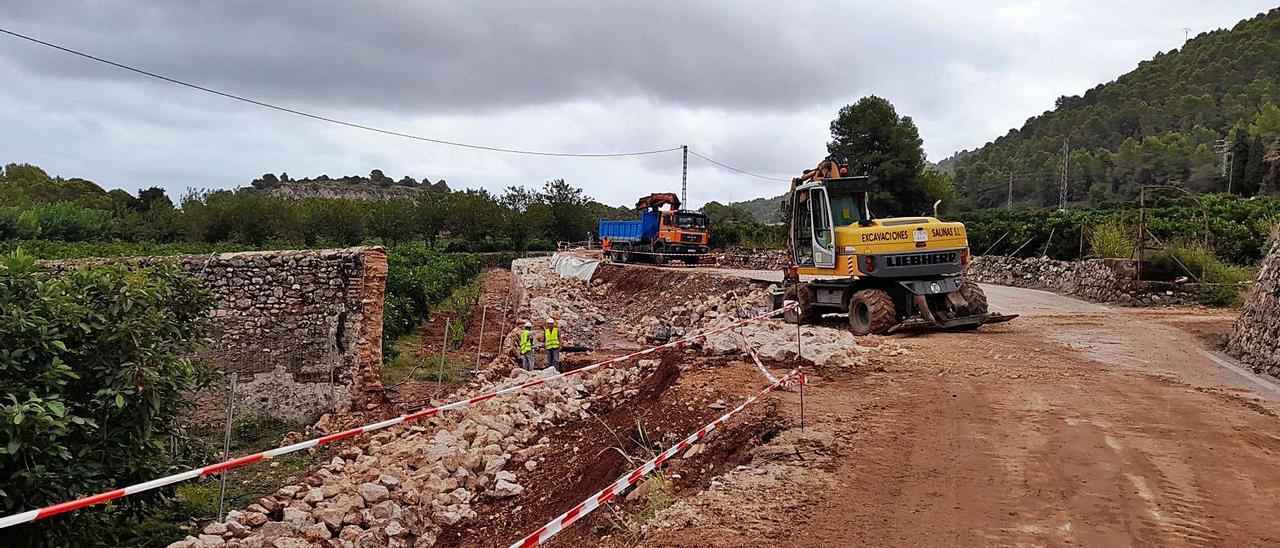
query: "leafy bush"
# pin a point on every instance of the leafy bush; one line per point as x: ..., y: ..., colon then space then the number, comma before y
x: 56, y: 221
x: 747, y: 234
x: 72, y: 223
x: 1111, y: 239
x: 420, y: 276
x: 18, y: 224
x: 92, y: 372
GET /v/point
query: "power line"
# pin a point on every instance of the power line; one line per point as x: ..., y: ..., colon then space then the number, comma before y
x: 731, y: 168
x: 332, y: 120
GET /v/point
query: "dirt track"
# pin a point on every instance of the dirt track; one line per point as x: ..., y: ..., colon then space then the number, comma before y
x: 1075, y: 424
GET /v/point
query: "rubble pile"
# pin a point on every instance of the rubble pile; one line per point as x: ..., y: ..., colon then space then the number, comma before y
x: 775, y: 340
x: 772, y: 339
x: 400, y: 486
x: 568, y: 300
x: 1255, y: 338
x: 731, y: 306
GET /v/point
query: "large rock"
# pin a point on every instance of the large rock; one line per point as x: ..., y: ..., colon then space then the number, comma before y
x: 373, y: 493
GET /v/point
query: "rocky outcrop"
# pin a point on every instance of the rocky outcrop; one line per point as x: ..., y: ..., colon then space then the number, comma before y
x: 299, y: 190
x: 1101, y: 280
x: 1255, y: 338
x: 302, y: 330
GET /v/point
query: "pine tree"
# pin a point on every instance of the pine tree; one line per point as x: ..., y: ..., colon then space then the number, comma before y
x: 1255, y: 168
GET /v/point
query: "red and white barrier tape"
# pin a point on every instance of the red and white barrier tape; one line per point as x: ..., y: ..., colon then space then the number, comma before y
x: 76, y: 504
x: 616, y: 488
x: 756, y: 358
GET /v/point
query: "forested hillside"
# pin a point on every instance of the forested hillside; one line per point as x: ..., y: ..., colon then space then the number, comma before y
x: 1169, y: 121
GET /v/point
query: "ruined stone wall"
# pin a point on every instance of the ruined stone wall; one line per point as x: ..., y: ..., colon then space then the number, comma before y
x: 1255, y: 339
x: 302, y: 330
x: 1102, y: 280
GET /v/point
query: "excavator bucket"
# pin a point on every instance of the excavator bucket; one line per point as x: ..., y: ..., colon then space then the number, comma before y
x: 926, y: 319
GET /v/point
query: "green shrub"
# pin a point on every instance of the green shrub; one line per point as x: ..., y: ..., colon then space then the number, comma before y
x: 18, y: 224
x: 1221, y: 283
x: 92, y: 373
x: 420, y: 276
x: 1111, y: 239
x: 73, y: 223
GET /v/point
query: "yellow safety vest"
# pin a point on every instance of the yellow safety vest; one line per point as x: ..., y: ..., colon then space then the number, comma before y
x: 551, y: 337
x: 526, y: 342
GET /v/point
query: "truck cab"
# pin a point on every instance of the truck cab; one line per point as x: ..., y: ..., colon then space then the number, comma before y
x: 683, y: 231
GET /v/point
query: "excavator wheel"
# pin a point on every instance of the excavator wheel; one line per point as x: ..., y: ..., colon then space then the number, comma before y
x: 871, y: 312
x: 805, y: 313
x: 976, y: 298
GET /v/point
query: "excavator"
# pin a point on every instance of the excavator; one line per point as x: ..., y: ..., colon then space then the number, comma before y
x: 888, y: 274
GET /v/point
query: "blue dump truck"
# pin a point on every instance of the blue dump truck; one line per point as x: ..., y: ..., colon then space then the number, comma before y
x: 658, y: 236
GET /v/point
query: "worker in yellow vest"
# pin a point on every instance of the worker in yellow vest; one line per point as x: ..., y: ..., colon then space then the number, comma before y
x: 524, y: 341
x: 551, y: 341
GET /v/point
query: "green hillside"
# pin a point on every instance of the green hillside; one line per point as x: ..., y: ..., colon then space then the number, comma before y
x: 763, y: 210
x: 1166, y: 122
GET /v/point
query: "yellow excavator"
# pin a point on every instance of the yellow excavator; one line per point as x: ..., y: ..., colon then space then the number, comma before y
x: 889, y: 274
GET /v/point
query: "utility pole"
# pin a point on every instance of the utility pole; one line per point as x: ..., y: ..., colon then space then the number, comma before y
x: 1062, y: 191
x: 1186, y: 34
x: 684, y: 177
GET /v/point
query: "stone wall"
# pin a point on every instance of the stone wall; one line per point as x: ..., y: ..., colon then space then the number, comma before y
x: 754, y: 259
x: 1102, y: 280
x: 302, y: 330
x: 1255, y: 339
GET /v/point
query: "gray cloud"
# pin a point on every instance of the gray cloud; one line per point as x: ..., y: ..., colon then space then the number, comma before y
x: 752, y: 83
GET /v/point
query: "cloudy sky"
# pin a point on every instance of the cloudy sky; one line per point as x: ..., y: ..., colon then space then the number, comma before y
x: 753, y: 84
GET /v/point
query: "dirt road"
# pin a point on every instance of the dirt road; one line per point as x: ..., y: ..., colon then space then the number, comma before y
x: 1077, y: 424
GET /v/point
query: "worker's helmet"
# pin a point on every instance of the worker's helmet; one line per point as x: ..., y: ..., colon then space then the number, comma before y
x: 527, y: 323
x: 551, y: 321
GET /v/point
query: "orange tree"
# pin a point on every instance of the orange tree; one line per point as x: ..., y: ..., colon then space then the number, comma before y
x: 93, y: 368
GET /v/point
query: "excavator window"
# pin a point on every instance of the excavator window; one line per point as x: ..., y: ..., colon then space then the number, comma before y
x: 821, y: 223
x: 847, y: 208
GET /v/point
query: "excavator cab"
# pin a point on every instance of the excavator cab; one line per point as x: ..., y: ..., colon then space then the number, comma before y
x: 817, y: 209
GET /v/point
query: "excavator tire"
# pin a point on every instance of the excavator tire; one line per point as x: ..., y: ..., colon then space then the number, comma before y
x: 871, y: 312
x: 976, y: 298
x: 805, y: 313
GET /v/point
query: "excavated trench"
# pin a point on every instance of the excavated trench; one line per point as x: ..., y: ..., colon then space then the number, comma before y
x: 678, y: 393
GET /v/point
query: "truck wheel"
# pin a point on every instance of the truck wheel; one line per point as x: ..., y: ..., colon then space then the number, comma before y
x: 974, y: 295
x: 806, y: 313
x: 871, y: 312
